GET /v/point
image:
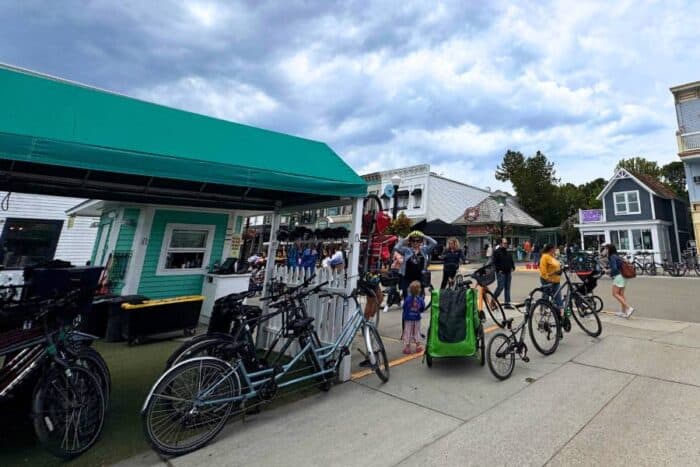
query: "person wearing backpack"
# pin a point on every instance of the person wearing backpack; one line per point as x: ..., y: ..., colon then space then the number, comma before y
x: 619, y: 281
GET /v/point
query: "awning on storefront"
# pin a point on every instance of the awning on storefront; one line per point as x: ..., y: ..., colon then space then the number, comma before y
x: 66, y: 139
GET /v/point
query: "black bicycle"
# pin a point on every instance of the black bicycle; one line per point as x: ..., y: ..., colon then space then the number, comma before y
x: 575, y: 303
x: 541, y: 319
x: 68, y: 402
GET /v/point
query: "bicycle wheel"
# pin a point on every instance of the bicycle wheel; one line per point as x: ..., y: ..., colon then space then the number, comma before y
x: 494, y: 308
x: 544, y: 327
x: 501, y: 356
x: 180, y: 415
x: 650, y: 269
x: 697, y: 269
x: 586, y: 317
x: 68, y: 411
x: 595, y: 302
x: 91, y: 360
x: 374, y: 344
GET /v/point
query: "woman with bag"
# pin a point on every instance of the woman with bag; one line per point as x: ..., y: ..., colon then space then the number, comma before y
x: 619, y: 281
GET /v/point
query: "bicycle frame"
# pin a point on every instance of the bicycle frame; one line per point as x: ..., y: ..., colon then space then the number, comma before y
x: 255, y: 381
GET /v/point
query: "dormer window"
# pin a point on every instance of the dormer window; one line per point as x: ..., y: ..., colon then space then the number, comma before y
x: 626, y: 202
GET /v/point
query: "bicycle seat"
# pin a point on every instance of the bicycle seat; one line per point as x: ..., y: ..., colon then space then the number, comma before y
x: 299, y: 325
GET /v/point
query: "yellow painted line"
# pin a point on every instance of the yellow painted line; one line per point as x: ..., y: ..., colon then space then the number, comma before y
x: 400, y: 361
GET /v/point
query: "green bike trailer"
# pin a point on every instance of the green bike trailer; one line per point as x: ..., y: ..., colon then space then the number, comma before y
x: 455, y: 329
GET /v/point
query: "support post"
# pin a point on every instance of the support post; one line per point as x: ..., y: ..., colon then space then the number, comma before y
x: 353, y: 268
x: 269, y: 268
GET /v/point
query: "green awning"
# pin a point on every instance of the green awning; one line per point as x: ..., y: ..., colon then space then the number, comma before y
x: 63, y: 138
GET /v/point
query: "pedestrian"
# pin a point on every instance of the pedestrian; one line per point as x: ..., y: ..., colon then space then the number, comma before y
x: 413, y: 306
x: 504, y: 265
x: 415, y: 249
x: 536, y: 253
x: 452, y: 258
x: 619, y: 282
x: 528, y: 250
x: 569, y: 250
x: 489, y: 252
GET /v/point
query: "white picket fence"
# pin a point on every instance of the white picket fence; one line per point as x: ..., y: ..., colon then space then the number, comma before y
x: 329, y: 313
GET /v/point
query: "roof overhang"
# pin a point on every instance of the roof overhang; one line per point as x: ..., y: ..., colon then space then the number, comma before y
x: 65, y: 139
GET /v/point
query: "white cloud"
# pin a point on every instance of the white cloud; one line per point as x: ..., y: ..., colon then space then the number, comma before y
x: 449, y: 83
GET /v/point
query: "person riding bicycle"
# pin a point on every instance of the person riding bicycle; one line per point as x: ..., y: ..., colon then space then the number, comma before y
x: 550, y: 273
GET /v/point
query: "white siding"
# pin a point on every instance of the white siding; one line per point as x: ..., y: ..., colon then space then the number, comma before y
x: 75, y: 244
x: 448, y: 199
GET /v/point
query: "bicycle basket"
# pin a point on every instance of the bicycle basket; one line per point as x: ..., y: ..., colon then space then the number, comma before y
x: 389, y: 281
x: 485, y: 276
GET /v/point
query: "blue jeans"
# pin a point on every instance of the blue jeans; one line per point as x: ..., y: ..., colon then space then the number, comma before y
x: 503, y: 284
x: 549, y: 290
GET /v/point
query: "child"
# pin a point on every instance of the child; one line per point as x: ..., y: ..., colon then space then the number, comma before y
x: 412, y: 308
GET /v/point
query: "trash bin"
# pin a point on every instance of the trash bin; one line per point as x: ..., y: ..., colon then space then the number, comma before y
x: 161, y: 316
x: 105, y: 318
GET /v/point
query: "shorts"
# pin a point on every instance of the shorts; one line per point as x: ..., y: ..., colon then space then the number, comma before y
x: 619, y: 281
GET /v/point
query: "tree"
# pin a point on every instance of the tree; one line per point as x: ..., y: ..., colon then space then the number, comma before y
x: 534, y: 181
x: 641, y: 165
x: 674, y: 176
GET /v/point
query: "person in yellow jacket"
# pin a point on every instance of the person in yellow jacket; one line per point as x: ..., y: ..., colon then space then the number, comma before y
x: 550, y: 272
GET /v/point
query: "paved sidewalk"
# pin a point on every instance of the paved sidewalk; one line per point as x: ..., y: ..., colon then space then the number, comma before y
x: 631, y: 397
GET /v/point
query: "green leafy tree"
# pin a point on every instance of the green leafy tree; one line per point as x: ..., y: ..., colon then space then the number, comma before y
x: 674, y: 176
x: 641, y: 165
x: 534, y: 181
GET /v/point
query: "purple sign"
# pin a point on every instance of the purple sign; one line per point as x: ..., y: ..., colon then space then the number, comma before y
x: 591, y: 215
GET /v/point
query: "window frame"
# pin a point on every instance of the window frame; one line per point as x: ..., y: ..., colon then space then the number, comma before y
x: 626, y: 194
x: 165, y: 248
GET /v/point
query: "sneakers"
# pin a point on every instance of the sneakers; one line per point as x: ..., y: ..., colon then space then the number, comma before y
x: 621, y: 314
x: 385, y: 309
x: 630, y: 310
x: 419, y: 349
x: 407, y: 350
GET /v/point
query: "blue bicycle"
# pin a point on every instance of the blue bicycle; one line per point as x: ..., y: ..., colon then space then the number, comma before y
x: 191, y: 402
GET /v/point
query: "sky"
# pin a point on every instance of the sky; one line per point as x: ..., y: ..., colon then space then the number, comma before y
x: 391, y: 84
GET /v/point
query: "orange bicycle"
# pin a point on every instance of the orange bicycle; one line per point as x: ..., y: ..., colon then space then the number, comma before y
x: 484, y: 277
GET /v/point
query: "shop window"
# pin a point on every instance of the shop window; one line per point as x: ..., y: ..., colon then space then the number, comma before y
x: 333, y: 211
x: 620, y: 238
x: 627, y: 202
x: 186, y: 249
x: 641, y: 239
x: 402, y: 201
x: 28, y: 241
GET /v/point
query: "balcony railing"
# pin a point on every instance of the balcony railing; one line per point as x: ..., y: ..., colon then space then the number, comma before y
x: 591, y: 216
x: 689, y: 142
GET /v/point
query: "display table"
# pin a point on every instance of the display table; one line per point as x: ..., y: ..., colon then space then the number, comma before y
x: 216, y: 286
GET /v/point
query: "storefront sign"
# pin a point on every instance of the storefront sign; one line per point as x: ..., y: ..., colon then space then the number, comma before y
x: 236, y: 243
x: 591, y: 215
x: 471, y: 214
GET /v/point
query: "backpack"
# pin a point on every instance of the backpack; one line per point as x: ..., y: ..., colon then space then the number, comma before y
x: 627, y: 270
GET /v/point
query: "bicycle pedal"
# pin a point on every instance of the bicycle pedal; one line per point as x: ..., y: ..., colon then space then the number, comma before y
x: 344, y: 351
x: 525, y: 358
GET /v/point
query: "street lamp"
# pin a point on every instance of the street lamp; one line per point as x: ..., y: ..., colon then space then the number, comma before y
x: 501, y: 224
x: 395, y: 180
